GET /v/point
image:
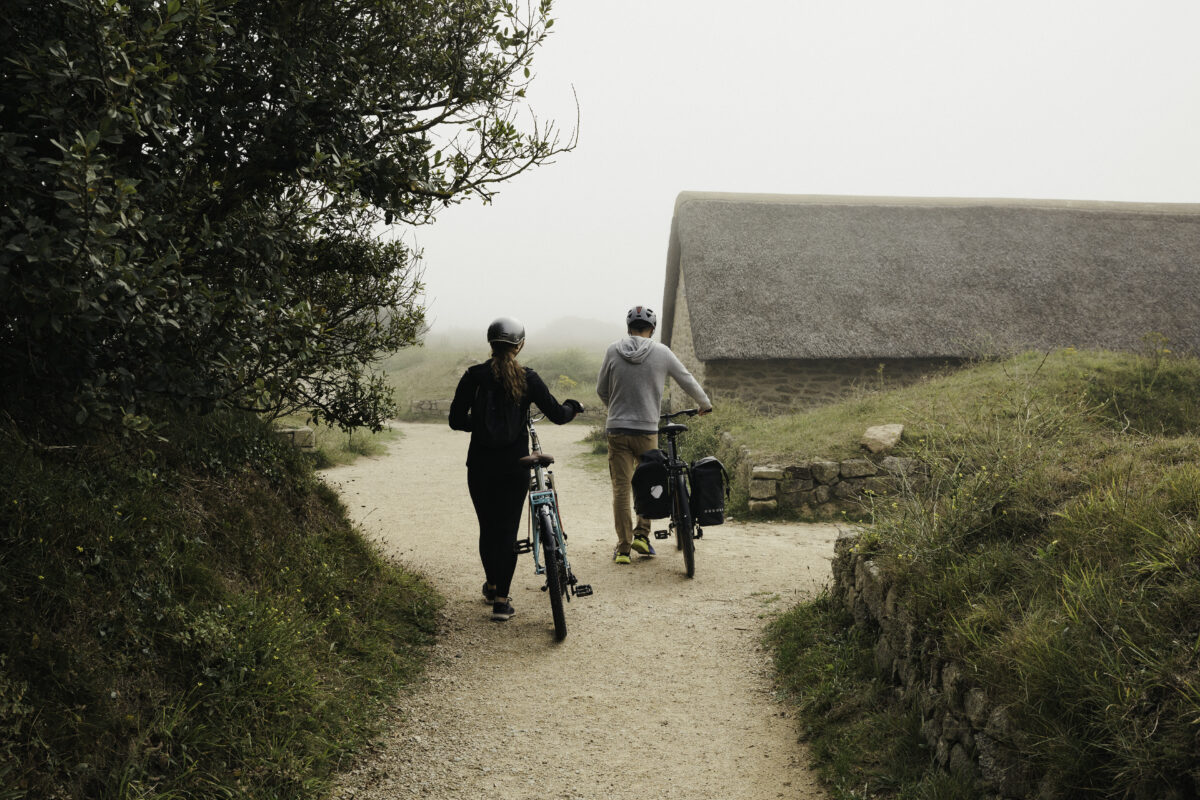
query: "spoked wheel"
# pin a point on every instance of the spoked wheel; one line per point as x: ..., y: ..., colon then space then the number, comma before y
x: 683, y: 529
x: 555, y: 585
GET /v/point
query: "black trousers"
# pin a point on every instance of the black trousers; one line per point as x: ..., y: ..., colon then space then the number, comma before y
x: 499, y: 498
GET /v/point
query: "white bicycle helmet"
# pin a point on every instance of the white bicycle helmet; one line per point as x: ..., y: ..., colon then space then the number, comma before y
x: 641, y: 314
x: 506, y: 329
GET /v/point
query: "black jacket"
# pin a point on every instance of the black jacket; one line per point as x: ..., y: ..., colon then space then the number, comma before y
x: 463, y: 407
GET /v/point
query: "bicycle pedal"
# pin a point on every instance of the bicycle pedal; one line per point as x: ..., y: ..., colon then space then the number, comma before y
x: 523, y: 546
x: 661, y: 534
x: 583, y: 589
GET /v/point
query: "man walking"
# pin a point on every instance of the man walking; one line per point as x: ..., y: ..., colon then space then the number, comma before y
x: 631, y: 383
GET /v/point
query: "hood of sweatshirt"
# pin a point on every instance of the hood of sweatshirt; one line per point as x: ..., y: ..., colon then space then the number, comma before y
x: 634, y: 349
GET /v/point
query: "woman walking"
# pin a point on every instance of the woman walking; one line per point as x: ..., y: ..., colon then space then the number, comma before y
x: 492, y: 403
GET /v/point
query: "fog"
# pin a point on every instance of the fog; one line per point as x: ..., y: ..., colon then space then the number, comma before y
x: 1080, y: 100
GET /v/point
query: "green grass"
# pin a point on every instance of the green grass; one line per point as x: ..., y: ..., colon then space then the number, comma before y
x: 1055, y: 555
x: 1147, y: 391
x: 335, y: 447
x: 192, y: 618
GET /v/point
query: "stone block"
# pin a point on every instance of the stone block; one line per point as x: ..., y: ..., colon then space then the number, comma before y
x: 795, y: 485
x: 952, y: 679
x: 953, y: 727
x: 975, y: 704
x: 856, y: 468
x: 800, y: 471
x: 931, y: 731
x: 763, y: 489
x: 793, y: 499
x: 880, y: 438
x: 941, y: 752
x: 885, y: 658
x: 999, y: 724
x: 873, y: 587
x: 303, y: 437
x: 844, y: 490
x: 821, y: 495
x: 894, y: 465
x: 960, y: 761
x: 878, y: 485
x: 762, y: 506
x: 825, y: 471
x: 767, y: 472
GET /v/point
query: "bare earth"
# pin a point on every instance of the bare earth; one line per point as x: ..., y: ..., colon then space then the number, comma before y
x: 661, y: 689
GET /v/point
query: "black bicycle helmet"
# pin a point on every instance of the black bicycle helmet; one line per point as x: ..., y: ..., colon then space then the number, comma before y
x: 506, y: 329
x: 641, y: 314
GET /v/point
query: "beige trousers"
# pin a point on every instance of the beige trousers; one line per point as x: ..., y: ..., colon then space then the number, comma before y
x: 624, y: 452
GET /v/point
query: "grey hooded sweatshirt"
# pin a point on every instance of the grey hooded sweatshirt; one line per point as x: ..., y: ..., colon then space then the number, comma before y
x: 632, y: 379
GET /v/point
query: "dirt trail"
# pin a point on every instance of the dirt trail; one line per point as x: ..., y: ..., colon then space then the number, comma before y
x: 661, y: 688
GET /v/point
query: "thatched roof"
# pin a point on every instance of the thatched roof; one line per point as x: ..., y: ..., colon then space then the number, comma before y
x: 793, y: 276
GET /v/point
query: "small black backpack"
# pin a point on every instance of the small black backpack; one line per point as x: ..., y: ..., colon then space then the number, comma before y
x: 651, y: 498
x: 710, y: 490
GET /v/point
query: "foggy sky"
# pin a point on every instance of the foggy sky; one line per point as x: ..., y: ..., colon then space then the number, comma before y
x: 1068, y: 99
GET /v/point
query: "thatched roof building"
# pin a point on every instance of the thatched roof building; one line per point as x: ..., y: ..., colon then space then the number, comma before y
x: 816, y: 284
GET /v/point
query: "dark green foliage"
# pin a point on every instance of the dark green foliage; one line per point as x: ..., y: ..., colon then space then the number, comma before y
x: 193, y: 190
x: 193, y: 621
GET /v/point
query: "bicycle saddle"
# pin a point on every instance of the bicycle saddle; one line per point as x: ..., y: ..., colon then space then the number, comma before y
x: 534, y: 459
x: 673, y: 427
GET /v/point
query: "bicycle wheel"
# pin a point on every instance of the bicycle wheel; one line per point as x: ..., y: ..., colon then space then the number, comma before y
x: 555, y: 585
x: 683, y: 527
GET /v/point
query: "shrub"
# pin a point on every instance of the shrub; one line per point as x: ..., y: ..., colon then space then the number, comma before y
x: 194, y: 620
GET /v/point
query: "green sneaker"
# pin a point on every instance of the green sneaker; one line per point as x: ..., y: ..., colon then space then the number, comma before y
x: 621, y: 558
x: 642, y: 545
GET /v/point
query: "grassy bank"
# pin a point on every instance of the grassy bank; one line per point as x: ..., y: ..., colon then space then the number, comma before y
x: 1054, y: 556
x: 192, y: 618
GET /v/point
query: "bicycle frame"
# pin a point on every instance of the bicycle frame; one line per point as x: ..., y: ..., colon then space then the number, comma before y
x: 682, y: 523
x: 543, y: 500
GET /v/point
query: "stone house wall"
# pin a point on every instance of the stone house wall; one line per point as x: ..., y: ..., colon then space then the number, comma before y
x: 964, y: 728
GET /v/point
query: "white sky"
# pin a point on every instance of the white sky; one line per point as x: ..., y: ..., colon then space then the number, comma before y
x: 1068, y: 99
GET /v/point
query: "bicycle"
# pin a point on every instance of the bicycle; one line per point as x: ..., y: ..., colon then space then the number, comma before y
x: 682, y: 522
x: 550, y: 539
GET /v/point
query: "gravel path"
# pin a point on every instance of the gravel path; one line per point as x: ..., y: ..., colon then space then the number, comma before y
x: 661, y: 688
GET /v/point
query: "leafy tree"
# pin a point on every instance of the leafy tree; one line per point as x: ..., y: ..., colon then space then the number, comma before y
x: 194, y: 190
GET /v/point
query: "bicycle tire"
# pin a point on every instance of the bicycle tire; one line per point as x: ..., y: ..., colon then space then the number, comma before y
x: 683, y: 527
x: 555, y: 585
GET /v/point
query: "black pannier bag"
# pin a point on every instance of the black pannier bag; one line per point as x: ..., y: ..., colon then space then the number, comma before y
x: 650, y: 496
x: 710, y: 490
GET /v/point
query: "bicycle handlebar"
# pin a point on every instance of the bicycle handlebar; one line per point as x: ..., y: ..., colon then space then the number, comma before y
x: 691, y: 412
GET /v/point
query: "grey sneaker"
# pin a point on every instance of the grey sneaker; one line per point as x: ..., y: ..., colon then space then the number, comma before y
x: 489, y: 593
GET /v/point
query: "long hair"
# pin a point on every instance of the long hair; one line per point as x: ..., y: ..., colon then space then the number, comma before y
x: 508, y: 372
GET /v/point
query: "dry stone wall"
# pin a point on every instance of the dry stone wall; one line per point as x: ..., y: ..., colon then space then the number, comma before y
x: 964, y: 728
x: 825, y: 488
